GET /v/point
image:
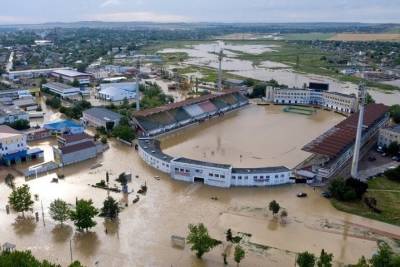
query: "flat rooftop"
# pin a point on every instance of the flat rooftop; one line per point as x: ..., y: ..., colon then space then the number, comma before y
x: 103, y: 114
x: 203, y: 163
x: 258, y: 170
x: 58, y: 86
x: 70, y: 73
x: 152, y: 146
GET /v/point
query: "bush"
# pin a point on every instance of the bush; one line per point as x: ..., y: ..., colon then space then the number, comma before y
x: 347, y: 190
x: 123, y: 132
x: 395, y: 113
x: 19, y: 125
x: 104, y: 140
x: 54, y: 102
x: 393, y: 174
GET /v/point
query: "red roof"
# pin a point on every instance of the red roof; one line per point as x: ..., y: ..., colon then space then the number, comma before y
x: 151, y: 111
x: 343, y: 135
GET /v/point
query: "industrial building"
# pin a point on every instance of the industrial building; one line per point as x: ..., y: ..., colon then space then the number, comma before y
x: 71, y: 75
x: 64, y: 90
x: 10, y: 114
x: 332, y: 150
x: 117, y: 91
x: 13, y: 147
x: 99, y: 117
x: 30, y: 74
x: 213, y: 174
x: 173, y: 116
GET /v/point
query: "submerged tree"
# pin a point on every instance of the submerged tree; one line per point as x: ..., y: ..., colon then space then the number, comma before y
x: 239, y: 254
x: 200, y: 239
x: 83, y: 214
x: 59, y: 210
x: 325, y: 259
x: 274, y: 207
x: 21, y: 199
x: 110, y: 208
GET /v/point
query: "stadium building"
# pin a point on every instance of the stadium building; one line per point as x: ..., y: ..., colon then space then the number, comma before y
x: 332, y: 151
x: 213, y: 174
x: 163, y: 119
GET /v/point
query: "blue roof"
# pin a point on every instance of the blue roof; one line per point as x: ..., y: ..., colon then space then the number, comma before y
x: 61, y: 124
x: 15, y: 156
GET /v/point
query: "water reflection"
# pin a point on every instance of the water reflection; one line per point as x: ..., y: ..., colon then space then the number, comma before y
x: 86, y: 243
x: 61, y: 233
x: 24, y: 225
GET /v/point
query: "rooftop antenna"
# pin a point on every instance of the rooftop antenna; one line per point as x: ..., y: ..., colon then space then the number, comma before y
x: 361, y: 106
x: 220, y: 58
x: 137, y: 85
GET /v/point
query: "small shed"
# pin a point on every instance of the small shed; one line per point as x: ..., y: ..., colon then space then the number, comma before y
x: 8, y: 247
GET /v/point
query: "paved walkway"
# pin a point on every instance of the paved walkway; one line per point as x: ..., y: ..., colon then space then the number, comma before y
x: 365, y: 174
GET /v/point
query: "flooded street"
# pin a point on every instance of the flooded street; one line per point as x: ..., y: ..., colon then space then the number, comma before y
x: 142, y: 235
x: 255, y: 136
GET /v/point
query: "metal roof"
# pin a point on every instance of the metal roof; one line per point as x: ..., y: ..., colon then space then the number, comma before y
x: 103, y: 114
x: 340, y: 137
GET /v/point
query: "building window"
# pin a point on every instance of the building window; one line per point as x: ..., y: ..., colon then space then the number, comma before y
x: 217, y: 175
x: 210, y: 174
x: 222, y: 176
x: 240, y: 177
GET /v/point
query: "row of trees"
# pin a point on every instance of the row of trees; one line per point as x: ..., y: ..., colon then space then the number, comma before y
x: 82, y: 214
x: 347, y: 189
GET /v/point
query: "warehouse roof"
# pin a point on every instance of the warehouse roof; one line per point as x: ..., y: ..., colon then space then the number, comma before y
x: 103, y: 114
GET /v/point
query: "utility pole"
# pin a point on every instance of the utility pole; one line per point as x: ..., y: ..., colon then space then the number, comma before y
x: 41, y: 203
x: 220, y: 58
x: 357, y: 145
x: 70, y: 249
x: 137, y: 85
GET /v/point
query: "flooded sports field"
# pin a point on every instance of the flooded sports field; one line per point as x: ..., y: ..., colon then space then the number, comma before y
x: 255, y: 136
x: 142, y: 235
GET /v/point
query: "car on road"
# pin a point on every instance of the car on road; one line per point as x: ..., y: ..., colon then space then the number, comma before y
x: 301, y: 194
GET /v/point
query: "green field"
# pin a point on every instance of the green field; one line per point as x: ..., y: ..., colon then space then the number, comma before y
x: 302, y: 58
x: 387, y: 194
x: 308, y: 36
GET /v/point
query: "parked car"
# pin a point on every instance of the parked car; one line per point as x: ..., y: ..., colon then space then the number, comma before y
x: 301, y: 194
x: 326, y: 194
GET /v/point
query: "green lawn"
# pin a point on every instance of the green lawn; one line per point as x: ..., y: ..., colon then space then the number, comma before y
x: 388, y: 202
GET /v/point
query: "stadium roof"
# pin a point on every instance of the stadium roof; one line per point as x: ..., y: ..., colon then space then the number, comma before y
x: 340, y: 137
x: 191, y: 101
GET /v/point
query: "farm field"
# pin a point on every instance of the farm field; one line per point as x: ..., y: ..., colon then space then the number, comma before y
x: 366, y: 37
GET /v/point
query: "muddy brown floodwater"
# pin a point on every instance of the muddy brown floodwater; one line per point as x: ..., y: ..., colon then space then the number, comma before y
x: 142, y: 235
x: 255, y: 136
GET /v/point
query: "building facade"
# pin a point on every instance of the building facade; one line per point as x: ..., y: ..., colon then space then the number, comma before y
x: 325, y: 99
x: 389, y: 135
x: 71, y: 75
x: 213, y: 174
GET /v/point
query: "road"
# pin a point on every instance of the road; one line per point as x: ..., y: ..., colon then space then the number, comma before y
x: 365, y: 174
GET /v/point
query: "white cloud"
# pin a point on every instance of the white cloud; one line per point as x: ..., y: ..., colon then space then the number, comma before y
x: 108, y: 3
x: 137, y: 16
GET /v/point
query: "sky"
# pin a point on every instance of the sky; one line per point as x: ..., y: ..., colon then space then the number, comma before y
x: 39, y: 11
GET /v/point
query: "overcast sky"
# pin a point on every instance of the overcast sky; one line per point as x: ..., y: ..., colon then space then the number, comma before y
x: 37, y: 11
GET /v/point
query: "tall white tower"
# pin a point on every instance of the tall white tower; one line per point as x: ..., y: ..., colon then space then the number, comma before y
x: 137, y: 86
x: 220, y: 58
x: 356, y: 155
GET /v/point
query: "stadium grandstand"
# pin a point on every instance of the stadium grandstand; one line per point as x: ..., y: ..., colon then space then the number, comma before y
x: 162, y: 119
x: 332, y: 150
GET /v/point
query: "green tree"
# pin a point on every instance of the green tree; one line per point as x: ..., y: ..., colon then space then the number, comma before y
x: 123, y: 132
x: 9, y: 180
x: 75, y: 83
x: 76, y: 264
x: 325, y: 259
x: 384, y: 256
x: 110, y: 208
x: 369, y: 99
x: 59, y: 211
x: 229, y: 235
x: 362, y: 262
x: 239, y: 254
x: 22, y: 258
x: 393, y: 148
x: 395, y: 113
x: 20, y: 199
x: 305, y: 259
x: 200, y: 239
x: 274, y: 207
x: 83, y: 214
